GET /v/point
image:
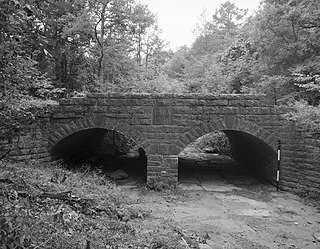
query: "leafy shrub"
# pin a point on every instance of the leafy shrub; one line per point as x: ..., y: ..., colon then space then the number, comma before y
x: 94, y: 212
x: 305, y: 116
x: 162, y: 184
x: 216, y: 142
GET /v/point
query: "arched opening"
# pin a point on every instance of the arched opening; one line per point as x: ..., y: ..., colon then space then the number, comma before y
x: 108, y: 150
x: 228, y: 156
x: 254, y: 154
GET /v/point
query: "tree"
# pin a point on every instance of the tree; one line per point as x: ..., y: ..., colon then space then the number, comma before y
x: 142, y: 21
x: 286, y: 35
x: 307, y: 77
x: 204, y: 70
x: 228, y: 18
x: 23, y: 88
x: 217, y: 33
x: 126, y: 34
x: 240, y: 61
x: 59, y: 54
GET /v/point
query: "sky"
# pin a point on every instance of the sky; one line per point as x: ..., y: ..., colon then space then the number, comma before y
x: 178, y: 18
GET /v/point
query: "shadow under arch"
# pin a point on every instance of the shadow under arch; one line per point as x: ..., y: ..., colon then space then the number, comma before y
x: 251, y: 146
x: 98, y: 143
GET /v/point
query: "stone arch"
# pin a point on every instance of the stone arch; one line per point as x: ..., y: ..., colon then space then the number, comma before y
x: 92, y: 122
x: 226, y: 123
x: 252, y: 146
x: 93, y: 151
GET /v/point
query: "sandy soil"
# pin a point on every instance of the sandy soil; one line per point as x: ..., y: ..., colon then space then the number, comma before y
x: 236, y: 211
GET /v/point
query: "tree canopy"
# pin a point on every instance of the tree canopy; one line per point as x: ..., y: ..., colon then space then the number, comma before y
x: 274, y: 51
x: 50, y: 49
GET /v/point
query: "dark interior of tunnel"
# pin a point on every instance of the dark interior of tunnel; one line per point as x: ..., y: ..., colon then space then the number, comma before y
x: 106, y: 150
x: 250, y: 157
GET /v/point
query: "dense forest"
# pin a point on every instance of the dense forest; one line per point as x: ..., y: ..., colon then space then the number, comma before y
x: 51, y: 49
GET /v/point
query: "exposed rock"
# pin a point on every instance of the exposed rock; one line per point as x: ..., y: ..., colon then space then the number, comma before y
x: 211, y: 150
x: 316, y: 236
x: 205, y: 157
x: 119, y: 175
x: 204, y: 246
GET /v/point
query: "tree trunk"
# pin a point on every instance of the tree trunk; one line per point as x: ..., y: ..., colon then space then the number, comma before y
x: 101, y: 43
x: 102, y: 71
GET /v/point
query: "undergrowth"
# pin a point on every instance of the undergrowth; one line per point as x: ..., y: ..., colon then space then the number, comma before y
x: 163, y: 184
x: 215, y: 142
x: 310, y: 198
x: 305, y: 116
x: 47, y: 206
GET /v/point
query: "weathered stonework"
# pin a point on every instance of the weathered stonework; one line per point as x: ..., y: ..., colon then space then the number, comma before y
x: 163, y: 125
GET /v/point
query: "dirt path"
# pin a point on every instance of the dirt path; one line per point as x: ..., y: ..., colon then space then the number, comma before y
x: 241, y: 214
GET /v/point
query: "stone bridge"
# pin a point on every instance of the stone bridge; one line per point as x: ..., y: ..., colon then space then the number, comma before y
x: 163, y: 125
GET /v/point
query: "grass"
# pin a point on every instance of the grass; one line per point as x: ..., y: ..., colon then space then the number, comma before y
x: 47, y: 206
x: 310, y: 198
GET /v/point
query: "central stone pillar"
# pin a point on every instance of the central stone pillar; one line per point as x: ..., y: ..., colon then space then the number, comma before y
x: 162, y: 168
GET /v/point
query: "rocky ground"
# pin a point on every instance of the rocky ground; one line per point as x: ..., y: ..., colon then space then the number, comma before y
x: 221, y: 205
x: 215, y: 206
x: 237, y: 213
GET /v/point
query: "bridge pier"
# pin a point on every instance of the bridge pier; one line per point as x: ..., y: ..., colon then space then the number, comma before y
x: 164, y: 168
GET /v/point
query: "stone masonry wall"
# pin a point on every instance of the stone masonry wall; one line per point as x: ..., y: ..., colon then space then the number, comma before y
x: 30, y: 144
x: 163, y: 125
x: 301, y: 170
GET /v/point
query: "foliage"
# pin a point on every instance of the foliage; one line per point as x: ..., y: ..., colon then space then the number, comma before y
x: 215, y: 142
x: 50, y: 49
x: 278, y: 87
x: 274, y: 51
x: 24, y: 90
x: 240, y: 62
x: 307, y: 77
x: 200, y: 67
x: 39, y: 210
x: 161, y: 183
x: 80, y: 45
x: 305, y: 115
x: 227, y: 18
x: 30, y: 220
x: 310, y: 197
x: 107, y: 45
x: 123, y: 38
x: 165, y: 241
x: 160, y: 84
x: 286, y: 37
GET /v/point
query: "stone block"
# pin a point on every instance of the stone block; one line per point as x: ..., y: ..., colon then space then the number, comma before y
x: 174, y: 149
x: 181, y: 109
x: 136, y: 121
x: 228, y: 110
x: 216, y: 102
x: 155, y: 158
x: 163, y: 149
x: 181, y: 145
x: 154, y: 169
x: 184, y: 139
x: 230, y: 121
x: 190, y: 137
